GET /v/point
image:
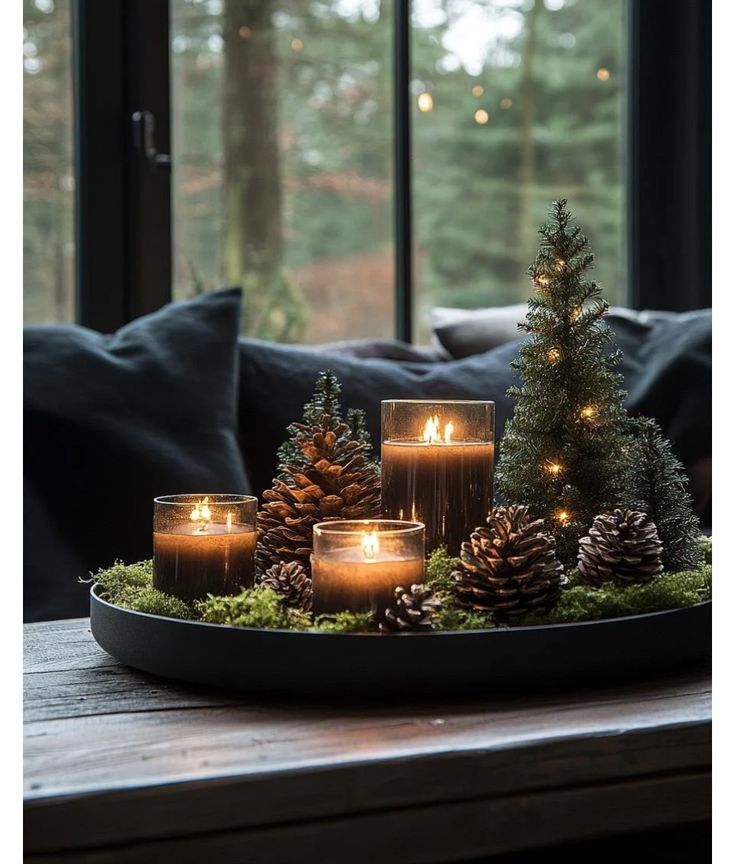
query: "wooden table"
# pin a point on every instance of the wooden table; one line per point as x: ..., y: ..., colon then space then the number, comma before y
x: 124, y: 767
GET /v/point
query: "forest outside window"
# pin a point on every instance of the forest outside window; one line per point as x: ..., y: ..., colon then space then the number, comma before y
x: 282, y: 124
x: 282, y: 153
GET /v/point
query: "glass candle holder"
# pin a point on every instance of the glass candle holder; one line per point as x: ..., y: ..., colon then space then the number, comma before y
x: 357, y: 564
x: 204, y: 544
x: 437, y: 466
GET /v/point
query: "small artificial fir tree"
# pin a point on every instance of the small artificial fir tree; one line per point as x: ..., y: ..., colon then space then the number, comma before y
x: 658, y: 486
x: 561, y: 452
x: 323, y: 410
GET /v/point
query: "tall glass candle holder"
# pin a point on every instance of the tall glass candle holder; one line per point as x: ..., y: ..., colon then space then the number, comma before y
x: 437, y: 466
x: 357, y: 564
x: 204, y: 544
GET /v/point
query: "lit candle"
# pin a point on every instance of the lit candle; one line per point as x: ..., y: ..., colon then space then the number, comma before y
x: 437, y: 466
x: 357, y: 565
x: 204, y: 544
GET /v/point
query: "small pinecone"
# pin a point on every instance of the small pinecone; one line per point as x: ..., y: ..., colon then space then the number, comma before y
x: 622, y: 547
x: 411, y: 612
x: 509, y: 567
x: 338, y: 482
x: 291, y: 581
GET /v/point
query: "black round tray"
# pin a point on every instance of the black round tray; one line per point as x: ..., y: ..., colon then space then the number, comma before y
x: 361, y: 665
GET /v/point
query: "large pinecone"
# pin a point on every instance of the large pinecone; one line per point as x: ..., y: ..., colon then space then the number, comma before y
x: 622, y: 547
x: 292, y: 582
x: 509, y: 567
x: 412, y: 611
x: 337, y: 482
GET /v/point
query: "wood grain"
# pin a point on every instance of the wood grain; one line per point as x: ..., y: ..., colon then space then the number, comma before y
x: 119, y: 764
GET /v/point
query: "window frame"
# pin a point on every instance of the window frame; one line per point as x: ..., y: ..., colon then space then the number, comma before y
x: 122, y: 200
x: 123, y: 219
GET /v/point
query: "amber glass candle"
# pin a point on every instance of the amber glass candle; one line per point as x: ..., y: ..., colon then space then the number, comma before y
x: 204, y: 544
x: 437, y: 466
x: 357, y: 564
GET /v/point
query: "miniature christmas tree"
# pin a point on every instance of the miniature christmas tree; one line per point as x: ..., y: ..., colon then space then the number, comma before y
x: 658, y: 486
x: 326, y: 472
x: 324, y: 407
x: 561, y: 452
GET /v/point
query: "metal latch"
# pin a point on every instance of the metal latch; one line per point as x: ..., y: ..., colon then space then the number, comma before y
x: 144, y: 138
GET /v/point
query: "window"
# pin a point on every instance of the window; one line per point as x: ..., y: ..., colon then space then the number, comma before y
x: 355, y: 163
x: 282, y: 163
x: 48, y: 178
x: 515, y: 104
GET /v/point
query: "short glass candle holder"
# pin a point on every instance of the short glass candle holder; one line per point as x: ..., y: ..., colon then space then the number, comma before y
x: 357, y: 564
x: 204, y: 544
x: 437, y: 466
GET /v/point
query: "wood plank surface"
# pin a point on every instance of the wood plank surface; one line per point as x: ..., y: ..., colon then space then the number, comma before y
x: 119, y: 764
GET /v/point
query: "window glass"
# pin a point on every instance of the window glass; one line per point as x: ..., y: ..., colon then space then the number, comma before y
x: 515, y: 103
x: 48, y: 176
x: 282, y: 124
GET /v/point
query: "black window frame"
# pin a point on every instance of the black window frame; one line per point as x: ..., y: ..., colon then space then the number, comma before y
x: 123, y: 178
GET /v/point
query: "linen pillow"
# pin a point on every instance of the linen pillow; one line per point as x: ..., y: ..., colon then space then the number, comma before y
x: 111, y: 421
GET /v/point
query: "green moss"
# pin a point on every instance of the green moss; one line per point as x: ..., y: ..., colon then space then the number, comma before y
x: 131, y: 586
x: 119, y: 578
x: 438, y: 574
x: 670, y: 591
x: 452, y: 617
x: 155, y: 602
x: 253, y: 607
x: 705, y: 547
x: 346, y: 622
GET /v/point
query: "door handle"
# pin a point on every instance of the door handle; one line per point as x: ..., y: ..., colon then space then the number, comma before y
x: 144, y: 139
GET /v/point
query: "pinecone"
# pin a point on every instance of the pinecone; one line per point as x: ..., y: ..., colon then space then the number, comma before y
x: 411, y: 612
x: 622, y: 547
x: 337, y: 482
x: 509, y: 567
x: 292, y: 582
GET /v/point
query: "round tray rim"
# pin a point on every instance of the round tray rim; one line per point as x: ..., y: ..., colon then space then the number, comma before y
x: 95, y: 597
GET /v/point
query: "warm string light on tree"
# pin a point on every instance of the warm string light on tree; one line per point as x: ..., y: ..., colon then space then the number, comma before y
x: 563, y: 517
x: 589, y: 413
x: 540, y: 431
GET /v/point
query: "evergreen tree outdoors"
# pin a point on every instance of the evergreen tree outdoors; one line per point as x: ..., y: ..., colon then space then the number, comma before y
x: 561, y: 453
x: 658, y: 486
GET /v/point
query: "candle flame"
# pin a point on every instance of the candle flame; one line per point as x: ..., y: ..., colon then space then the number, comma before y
x: 432, y: 432
x: 370, y: 545
x: 202, y: 514
x: 229, y: 521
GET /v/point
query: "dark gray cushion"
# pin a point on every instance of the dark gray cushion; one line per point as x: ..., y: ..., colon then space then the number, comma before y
x: 463, y: 332
x: 113, y: 421
x: 276, y: 380
x: 666, y: 367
